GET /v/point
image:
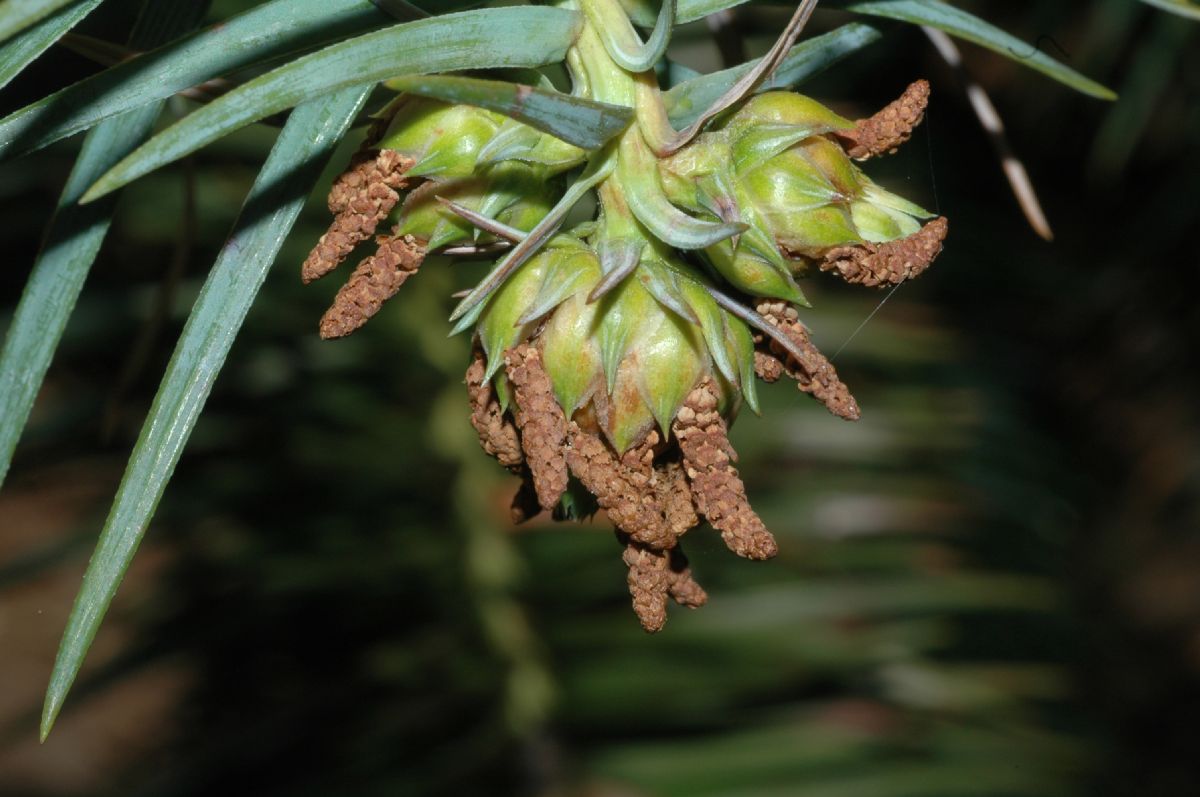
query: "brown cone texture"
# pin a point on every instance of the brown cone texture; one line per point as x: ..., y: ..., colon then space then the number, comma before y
x: 814, y: 374
x: 654, y: 576
x: 626, y: 488
x: 541, y: 422
x: 683, y: 587
x: 675, y: 496
x: 890, y: 263
x: 767, y: 366
x: 719, y: 493
x: 649, y: 581
x: 496, y: 431
x: 375, y: 280
x: 360, y: 198
x: 883, y: 133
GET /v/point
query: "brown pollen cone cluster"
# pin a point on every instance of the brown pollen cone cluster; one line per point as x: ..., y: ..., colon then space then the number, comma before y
x: 677, y: 468
x: 359, y: 200
x: 653, y: 493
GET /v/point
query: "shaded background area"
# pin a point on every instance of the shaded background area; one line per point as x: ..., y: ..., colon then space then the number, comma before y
x: 988, y: 586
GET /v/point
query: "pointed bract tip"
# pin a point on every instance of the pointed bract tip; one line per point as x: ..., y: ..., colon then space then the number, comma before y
x: 49, y: 715
x: 98, y: 190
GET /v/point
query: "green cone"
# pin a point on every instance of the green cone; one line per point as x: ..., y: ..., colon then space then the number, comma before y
x: 775, y: 166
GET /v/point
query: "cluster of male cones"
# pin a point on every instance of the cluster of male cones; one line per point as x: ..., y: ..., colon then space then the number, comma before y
x: 674, y: 475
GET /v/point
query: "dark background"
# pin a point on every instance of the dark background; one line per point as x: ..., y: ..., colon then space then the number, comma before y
x: 988, y: 586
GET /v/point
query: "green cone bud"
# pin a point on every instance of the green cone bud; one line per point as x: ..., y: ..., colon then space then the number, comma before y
x: 520, y: 142
x: 779, y: 171
x: 499, y: 326
x: 700, y: 179
x: 810, y: 194
x: 751, y: 273
x: 570, y: 352
x: 785, y: 108
x: 882, y: 216
x: 514, y: 194
x: 626, y: 362
x: 443, y: 139
x: 670, y: 360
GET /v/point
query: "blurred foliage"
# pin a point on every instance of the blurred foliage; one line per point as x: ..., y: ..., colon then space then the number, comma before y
x: 989, y: 586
